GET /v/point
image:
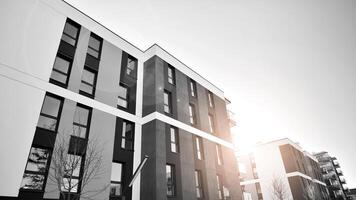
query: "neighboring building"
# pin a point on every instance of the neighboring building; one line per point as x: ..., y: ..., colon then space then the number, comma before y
x: 332, y: 175
x: 352, y: 194
x: 282, y: 163
x: 61, y: 70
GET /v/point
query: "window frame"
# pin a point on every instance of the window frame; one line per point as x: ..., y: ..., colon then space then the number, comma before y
x: 74, y: 24
x: 211, y: 122
x: 133, y: 72
x: 192, y: 115
x: 193, y: 88
x: 121, y: 182
x: 87, y: 126
x: 220, y: 187
x: 199, y: 152
x: 199, y: 184
x: 176, y: 142
x: 173, y: 177
x: 219, y: 155
x: 59, y: 112
x: 96, y: 37
x: 121, y: 84
x: 211, y: 102
x: 73, y: 177
x: 171, y: 79
x: 84, y: 82
x: 125, y: 138
x: 67, y: 74
x: 168, y: 104
x: 44, y: 174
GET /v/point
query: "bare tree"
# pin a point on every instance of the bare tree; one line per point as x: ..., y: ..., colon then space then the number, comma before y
x: 312, y: 193
x: 75, y: 163
x: 279, y: 189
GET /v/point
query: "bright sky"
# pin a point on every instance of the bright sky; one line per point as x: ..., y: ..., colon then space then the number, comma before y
x: 289, y: 67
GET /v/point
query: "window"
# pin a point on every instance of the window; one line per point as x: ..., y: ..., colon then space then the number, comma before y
x: 131, y: 66
x: 116, y: 179
x: 198, y: 184
x: 259, y: 191
x: 193, y: 88
x: 218, y: 154
x: 211, y: 123
x: 94, y: 46
x: 70, y: 32
x: 81, y: 121
x: 170, y: 178
x: 71, y: 169
x: 199, y: 149
x: 87, y: 86
x: 167, y: 102
x: 210, y: 99
x: 174, y: 139
x: 122, y: 100
x: 220, y: 189
x: 36, y: 169
x: 127, y: 135
x: 171, y: 75
x: 50, y: 112
x: 61, y: 70
x: 192, y: 114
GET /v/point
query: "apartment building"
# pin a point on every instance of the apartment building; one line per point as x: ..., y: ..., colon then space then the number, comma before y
x: 332, y: 175
x: 64, y: 75
x: 280, y: 169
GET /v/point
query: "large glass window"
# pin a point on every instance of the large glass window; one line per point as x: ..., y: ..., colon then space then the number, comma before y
x: 167, y: 102
x: 70, y: 32
x: 199, y: 148
x: 122, y: 100
x: 220, y: 189
x: 170, y: 177
x: 192, y: 115
x: 171, y: 75
x: 193, y: 88
x: 174, y: 139
x: 211, y: 123
x: 210, y: 99
x: 50, y: 112
x: 81, y: 121
x: 71, y: 169
x: 131, y: 66
x: 94, y: 46
x: 218, y: 154
x: 127, y: 135
x: 61, y: 69
x: 36, y: 169
x: 88, y: 82
x: 116, y: 179
x: 198, y: 184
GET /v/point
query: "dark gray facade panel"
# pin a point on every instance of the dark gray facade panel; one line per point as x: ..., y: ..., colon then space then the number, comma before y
x: 221, y: 119
x: 149, y: 87
x: 182, y: 97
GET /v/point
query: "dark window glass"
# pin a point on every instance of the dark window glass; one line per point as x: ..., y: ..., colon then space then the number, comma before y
x: 60, y: 72
x: 87, y: 85
x: 198, y: 184
x: 116, y: 179
x: 199, y: 148
x: 36, y: 169
x: 49, y: 113
x: 127, y: 135
x: 170, y: 177
x: 174, y: 139
x: 210, y: 99
x: 193, y: 88
x: 94, y: 46
x: 218, y: 154
x: 211, y: 123
x: 122, y: 100
x: 171, y: 75
x: 167, y: 102
x: 81, y: 121
x: 192, y: 115
x: 131, y: 66
x: 71, y: 170
x: 70, y: 33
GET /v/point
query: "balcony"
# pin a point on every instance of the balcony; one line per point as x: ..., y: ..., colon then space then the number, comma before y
x: 231, y: 118
x: 339, y: 171
x: 342, y: 180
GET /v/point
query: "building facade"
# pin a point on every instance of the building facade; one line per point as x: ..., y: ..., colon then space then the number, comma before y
x: 63, y: 75
x: 280, y: 169
x: 332, y: 175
